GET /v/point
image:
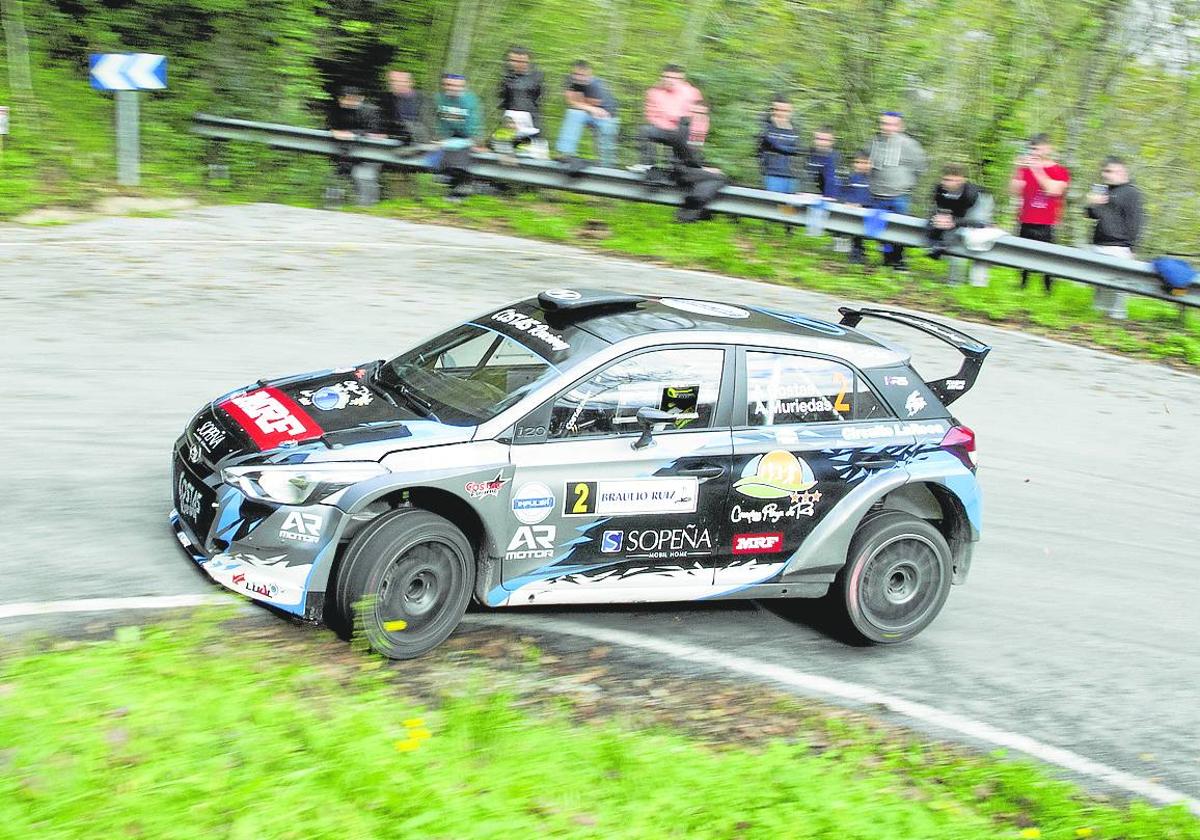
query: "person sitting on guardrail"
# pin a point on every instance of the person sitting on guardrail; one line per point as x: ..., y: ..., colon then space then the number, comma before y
x: 1116, y: 205
x: 521, y: 85
x: 354, y: 117
x: 953, y: 198
x: 406, y: 110
x: 855, y: 190
x: 897, y: 162
x: 778, y: 146
x: 458, y: 125
x: 668, y: 102
x: 590, y: 104
x: 1041, y: 183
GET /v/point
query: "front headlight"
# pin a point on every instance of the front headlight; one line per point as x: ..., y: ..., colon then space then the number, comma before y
x: 295, y: 484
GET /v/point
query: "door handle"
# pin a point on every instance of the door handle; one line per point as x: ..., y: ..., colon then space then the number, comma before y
x: 877, y: 463
x: 703, y: 472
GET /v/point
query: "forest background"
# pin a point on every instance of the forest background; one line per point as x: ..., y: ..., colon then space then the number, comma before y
x: 974, y: 78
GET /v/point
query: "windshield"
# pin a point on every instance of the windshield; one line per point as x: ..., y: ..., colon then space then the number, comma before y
x: 465, y: 376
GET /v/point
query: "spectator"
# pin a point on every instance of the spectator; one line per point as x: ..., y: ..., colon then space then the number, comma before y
x: 406, y: 109
x: 822, y: 163
x: 856, y: 191
x: 1116, y: 205
x: 458, y: 126
x: 457, y: 110
x: 778, y: 145
x: 897, y: 161
x: 675, y: 116
x: 521, y: 85
x: 590, y: 104
x: 953, y: 199
x: 1040, y: 183
x: 353, y: 117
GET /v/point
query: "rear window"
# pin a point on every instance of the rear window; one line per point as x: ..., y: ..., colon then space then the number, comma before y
x: 785, y: 388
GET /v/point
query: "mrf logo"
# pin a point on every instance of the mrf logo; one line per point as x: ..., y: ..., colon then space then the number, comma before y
x: 301, y: 527
x: 532, y: 542
x: 757, y: 543
x: 271, y: 418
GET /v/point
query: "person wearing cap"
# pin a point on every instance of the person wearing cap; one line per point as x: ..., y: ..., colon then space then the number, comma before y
x: 458, y: 125
x: 897, y: 162
x: 457, y: 110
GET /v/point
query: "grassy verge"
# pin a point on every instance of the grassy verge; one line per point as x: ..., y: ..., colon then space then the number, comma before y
x: 219, y: 727
x: 763, y: 252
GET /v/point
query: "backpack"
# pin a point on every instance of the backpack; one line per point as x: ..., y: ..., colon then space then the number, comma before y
x: 1176, y: 274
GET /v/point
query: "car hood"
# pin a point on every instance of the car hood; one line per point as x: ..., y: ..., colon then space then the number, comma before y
x: 339, y: 407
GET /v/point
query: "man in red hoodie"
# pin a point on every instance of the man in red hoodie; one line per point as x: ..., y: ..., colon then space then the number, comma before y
x: 676, y: 116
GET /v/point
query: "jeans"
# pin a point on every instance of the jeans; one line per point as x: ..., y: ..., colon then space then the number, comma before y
x: 898, y: 204
x: 604, y: 130
x: 651, y: 137
x: 1112, y: 303
x: 779, y: 183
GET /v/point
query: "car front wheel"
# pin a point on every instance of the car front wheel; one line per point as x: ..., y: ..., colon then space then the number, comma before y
x: 405, y: 582
x: 896, y: 579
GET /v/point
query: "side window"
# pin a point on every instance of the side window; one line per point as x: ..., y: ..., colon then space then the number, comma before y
x: 682, y: 382
x: 783, y: 388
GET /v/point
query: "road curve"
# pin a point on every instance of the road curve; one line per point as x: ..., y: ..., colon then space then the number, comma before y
x: 1078, y: 626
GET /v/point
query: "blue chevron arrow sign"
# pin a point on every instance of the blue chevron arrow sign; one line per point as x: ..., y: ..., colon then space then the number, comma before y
x: 128, y: 71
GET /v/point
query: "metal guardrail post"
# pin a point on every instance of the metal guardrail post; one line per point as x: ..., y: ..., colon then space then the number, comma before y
x: 1132, y: 277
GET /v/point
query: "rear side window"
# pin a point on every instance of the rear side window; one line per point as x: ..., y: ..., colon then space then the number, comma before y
x: 784, y: 388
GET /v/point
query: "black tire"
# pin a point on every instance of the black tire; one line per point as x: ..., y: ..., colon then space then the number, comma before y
x: 411, y: 567
x: 896, y: 578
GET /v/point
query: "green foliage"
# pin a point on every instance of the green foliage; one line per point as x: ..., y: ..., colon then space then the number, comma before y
x: 201, y: 728
x: 974, y: 77
x: 765, y: 252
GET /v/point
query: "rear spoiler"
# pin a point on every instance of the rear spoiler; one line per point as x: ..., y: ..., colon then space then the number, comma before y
x: 974, y: 351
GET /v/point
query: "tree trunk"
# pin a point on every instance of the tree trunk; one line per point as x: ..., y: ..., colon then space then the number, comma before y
x: 693, y: 29
x: 16, y: 44
x: 461, y: 36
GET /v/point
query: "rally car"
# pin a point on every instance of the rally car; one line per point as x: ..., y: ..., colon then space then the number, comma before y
x: 587, y: 447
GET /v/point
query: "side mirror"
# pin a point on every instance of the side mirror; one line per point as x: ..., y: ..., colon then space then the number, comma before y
x: 648, y: 418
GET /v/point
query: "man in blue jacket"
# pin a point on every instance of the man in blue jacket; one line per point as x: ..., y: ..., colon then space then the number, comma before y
x: 822, y: 163
x: 778, y: 145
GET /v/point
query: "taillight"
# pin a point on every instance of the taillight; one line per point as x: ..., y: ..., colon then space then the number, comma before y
x: 961, y: 439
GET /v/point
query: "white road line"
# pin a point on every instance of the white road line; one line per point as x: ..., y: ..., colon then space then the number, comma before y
x: 805, y: 682
x: 86, y: 605
x: 855, y: 693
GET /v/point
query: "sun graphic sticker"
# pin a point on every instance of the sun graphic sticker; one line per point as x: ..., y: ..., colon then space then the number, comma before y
x: 774, y: 475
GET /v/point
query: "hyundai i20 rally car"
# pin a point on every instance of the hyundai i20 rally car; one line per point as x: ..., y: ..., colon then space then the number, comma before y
x: 587, y: 447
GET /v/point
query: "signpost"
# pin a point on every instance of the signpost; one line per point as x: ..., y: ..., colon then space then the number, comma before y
x: 3, y: 126
x: 125, y: 74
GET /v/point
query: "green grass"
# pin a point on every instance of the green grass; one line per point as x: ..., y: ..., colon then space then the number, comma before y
x: 761, y: 251
x: 205, y: 728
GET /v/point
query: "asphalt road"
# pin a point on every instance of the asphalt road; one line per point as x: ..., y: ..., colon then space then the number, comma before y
x: 1079, y: 624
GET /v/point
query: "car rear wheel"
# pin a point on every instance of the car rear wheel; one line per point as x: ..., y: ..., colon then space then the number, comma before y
x: 405, y: 581
x: 896, y: 578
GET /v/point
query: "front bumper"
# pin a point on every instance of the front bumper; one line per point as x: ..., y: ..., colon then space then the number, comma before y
x: 257, y: 574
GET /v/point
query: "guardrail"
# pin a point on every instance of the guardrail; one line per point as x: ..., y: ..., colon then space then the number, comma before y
x: 1120, y: 275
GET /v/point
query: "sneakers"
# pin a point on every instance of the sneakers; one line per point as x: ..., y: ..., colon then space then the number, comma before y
x: 639, y: 168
